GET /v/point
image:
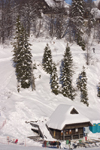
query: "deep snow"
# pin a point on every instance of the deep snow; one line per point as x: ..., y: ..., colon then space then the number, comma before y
x: 17, y: 108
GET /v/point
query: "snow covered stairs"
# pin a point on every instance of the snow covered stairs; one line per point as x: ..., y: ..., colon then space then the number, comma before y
x: 41, y: 129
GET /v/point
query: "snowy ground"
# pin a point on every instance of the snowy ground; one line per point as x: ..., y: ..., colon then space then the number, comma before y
x: 17, y: 108
x: 12, y: 147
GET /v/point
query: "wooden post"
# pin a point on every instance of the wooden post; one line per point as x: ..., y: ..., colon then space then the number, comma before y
x: 54, y: 133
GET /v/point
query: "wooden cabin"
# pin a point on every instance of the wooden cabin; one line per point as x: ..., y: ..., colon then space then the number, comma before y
x: 67, y: 123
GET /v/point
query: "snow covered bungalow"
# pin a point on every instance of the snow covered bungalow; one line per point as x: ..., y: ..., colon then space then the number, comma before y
x: 67, y: 123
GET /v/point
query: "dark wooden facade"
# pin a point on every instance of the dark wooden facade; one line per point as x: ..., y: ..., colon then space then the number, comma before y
x: 98, y: 20
x: 43, y: 6
x: 71, y: 131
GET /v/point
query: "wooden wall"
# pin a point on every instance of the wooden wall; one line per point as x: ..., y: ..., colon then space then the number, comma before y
x: 72, y: 131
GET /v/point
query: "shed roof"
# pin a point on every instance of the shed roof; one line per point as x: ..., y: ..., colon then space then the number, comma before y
x: 51, y: 3
x: 96, y: 12
x: 63, y: 116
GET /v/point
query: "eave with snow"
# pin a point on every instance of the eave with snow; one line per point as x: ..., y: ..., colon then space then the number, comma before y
x: 96, y: 14
x: 67, y: 122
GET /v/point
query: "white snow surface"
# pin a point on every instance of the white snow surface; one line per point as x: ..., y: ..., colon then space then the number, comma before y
x: 13, y: 147
x: 27, y: 105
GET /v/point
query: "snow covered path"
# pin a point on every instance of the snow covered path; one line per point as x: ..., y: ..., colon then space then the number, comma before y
x: 15, y: 147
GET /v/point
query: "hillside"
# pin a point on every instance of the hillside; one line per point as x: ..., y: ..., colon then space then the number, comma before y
x: 28, y: 105
x: 96, y: 2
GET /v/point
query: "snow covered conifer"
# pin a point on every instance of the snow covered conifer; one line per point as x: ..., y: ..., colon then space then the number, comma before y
x: 82, y: 86
x: 98, y: 88
x: 26, y: 65
x: 79, y: 83
x: 22, y: 57
x: 18, y: 46
x: 66, y: 75
x: 47, y: 60
x: 54, y: 80
x: 18, y: 40
x: 77, y: 20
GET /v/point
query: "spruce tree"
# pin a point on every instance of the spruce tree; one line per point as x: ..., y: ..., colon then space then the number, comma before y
x: 77, y: 20
x: 54, y: 80
x: 26, y: 66
x: 98, y: 88
x: 82, y: 86
x: 79, y: 83
x: 47, y: 60
x: 18, y: 40
x: 22, y: 57
x: 66, y: 75
x: 18, y: 46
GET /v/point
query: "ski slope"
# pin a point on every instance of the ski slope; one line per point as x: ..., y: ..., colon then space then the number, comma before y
x: 17, y: 108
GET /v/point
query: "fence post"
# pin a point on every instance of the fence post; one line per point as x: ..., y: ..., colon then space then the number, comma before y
x: 25, y: 142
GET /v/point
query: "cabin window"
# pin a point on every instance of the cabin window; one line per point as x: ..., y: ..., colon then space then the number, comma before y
x: 61, y: 133
x: 76, y: 130
x: 44, y: 7
x: 70, y: 131
x: 67, y: 132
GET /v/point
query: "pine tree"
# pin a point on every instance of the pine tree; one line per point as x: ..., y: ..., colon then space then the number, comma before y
x: 66, y: 75
x: 22, y: 57
x: 78, y: 82
x: 54, y: 80
x: 82, y: 86
x: 18, y: 46
x: 91, y: 22
x: 18, y: 40
x: 26, y: 63
x: 98, y: 88
x: 47, y: 60
x: 77, y: 21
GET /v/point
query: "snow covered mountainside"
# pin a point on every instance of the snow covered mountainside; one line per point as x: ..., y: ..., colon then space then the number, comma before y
x: 96, y: 2
x: 18, y: 108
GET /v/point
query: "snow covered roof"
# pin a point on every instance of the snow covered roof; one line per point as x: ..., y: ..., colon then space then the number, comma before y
x: 96, y: 12
x: 89, y: 112
x: 62, y: 116
x: 51, y: 3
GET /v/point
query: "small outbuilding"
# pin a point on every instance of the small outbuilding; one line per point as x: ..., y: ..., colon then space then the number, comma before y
x: 96, y: 127
x: 67, y: 122
x: 93, y: 128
